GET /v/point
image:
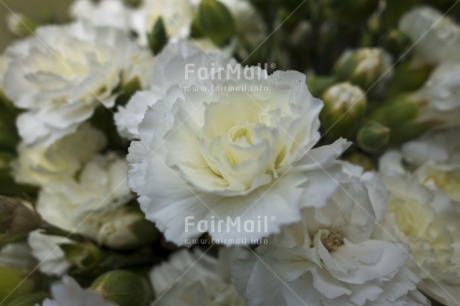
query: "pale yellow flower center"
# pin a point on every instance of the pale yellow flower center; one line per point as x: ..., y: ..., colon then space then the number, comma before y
x: 333, y: 241
x: 448, y: 181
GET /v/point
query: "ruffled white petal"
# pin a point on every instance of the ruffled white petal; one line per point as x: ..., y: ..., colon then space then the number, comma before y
x: 45, y: 248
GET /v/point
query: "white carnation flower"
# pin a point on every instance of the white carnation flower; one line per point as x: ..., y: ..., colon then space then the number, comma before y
x: 45, y: 248
x: 441, y: 96
x: 69, y: 293
x: 40, y: 166
x: 433, y: 158
x: 196, y: 279
x: 436, y: 37
x: 80, y: 204
x: 111, y: 13
x: 63, y: 73
x: 170, y: 69
x: 429, y: 223
x: 215, y: 153
x: 330, y: 257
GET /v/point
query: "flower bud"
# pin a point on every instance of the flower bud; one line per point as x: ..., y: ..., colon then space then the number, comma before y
x: 373, y: 137
x: 82, y: 256
x: 364, y: 67
x: 157, y: 37
x: 435, y: 105
x: 402, y: 114
x: 29, y: 299
x: 343, y: 112
x: 20, y: 25
x: 16, y: 218
x: 123, y: 287
x: 409, y: 76
x: 15, y: 282
x: 126, y: 228
x: 216, y: 21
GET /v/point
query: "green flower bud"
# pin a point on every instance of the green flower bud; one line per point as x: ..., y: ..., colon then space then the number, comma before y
x: 158, y: 38
x: 364, y: 67
x: 17, y: 218
x: 123, y: 287
x: 21, y: 25
x: 12, y: 283
x: 343, y: 112
x: 409, y: 76
x: 216, y: 21
x: 373, y: 137
x: 402, y: 114
x: 83, y: 256
x: 351, y: 12
x: 29, y: 299
x: 126, y: 228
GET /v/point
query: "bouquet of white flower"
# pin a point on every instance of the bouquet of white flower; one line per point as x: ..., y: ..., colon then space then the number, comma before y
x: 231, y: 153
